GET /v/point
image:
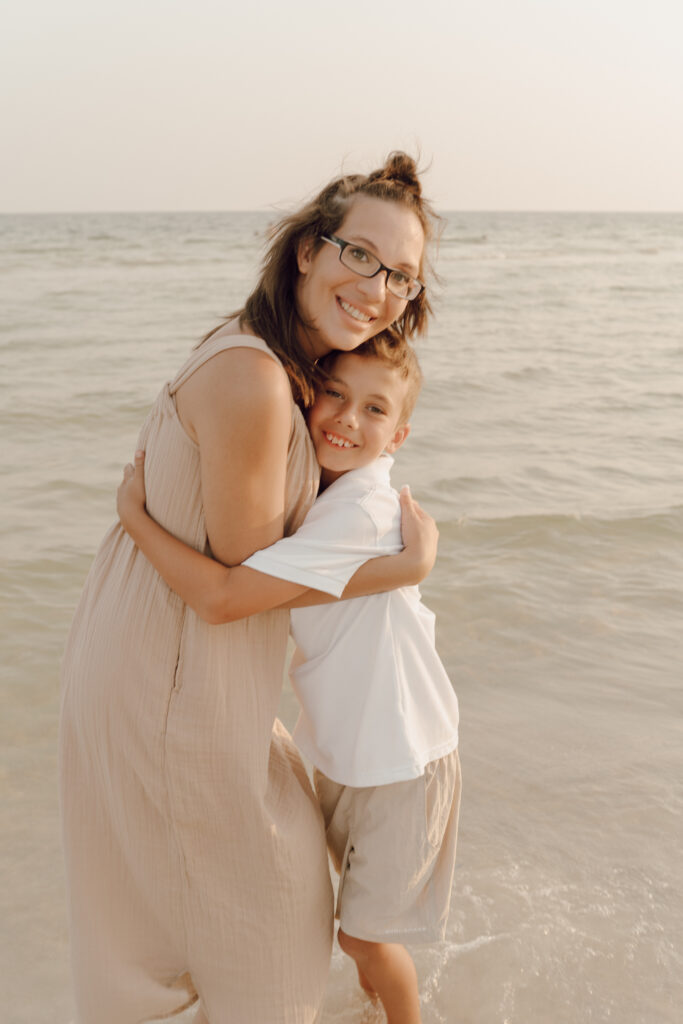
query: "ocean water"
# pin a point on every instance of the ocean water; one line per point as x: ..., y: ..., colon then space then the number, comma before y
x: 547, y: 444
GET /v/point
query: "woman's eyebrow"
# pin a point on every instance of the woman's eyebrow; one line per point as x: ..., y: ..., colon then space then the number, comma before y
x: 367, y: 244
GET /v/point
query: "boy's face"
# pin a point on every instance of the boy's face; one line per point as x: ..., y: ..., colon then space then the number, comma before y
x: 357, y: 415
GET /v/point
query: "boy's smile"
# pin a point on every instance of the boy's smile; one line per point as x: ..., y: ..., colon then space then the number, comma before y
x: 337, y: 441
x: 357, y: 415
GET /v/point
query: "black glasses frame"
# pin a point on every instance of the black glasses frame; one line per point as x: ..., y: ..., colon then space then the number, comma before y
x: 335, y: 240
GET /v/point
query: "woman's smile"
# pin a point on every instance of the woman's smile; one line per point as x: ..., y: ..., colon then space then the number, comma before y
x: 353, y: 311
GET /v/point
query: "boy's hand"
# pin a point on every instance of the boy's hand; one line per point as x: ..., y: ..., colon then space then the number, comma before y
x: 130, y: 497
x: 420, y: 535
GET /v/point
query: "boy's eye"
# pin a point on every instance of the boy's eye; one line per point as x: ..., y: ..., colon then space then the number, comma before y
x: 376, y: 409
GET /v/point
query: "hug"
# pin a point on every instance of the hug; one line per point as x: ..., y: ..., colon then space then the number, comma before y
x: 196, y: 848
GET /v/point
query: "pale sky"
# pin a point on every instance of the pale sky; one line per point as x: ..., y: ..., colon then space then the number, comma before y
x: 207, y: 105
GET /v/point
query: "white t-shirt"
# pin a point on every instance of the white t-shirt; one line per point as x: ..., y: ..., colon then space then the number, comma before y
x: 377, y: 705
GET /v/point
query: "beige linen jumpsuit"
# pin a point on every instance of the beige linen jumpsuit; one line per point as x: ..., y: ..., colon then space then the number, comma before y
x: 195, y: 853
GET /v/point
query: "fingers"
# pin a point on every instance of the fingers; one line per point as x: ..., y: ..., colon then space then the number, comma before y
x: 408, y: 503
x: 419, y: 511
x: 129, y: 469
x: 411, y: 507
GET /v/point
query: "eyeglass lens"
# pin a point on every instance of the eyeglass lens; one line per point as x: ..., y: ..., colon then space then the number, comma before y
x: 363, y: 262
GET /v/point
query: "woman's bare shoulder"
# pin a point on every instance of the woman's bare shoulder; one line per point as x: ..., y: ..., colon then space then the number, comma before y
x: 244, y: 370
x: 240, y: 380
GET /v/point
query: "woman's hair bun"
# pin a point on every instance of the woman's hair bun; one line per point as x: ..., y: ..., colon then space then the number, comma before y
x: 402, y: 169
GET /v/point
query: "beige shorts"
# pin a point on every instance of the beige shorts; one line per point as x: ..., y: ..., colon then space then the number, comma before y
x: 394, y: 849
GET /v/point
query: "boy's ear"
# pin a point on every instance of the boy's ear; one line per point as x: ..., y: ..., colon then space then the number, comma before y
x: 304, y: 254
x: 398, y: 438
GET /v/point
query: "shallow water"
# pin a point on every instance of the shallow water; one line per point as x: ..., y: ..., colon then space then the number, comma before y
x: 547, y: 443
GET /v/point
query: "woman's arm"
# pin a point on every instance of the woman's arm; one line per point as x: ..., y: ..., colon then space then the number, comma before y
x: 237, y: 407
x: 217, y: 593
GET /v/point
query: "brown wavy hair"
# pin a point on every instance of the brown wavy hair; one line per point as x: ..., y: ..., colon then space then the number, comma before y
x: 271, y: 309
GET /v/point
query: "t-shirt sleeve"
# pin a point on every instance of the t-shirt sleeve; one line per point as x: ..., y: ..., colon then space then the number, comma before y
x: 334, y: 540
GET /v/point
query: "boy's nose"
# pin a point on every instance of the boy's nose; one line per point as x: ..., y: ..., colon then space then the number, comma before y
x: 348, y: 417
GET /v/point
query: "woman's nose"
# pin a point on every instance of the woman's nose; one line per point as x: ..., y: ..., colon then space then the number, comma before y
x: 374, y: 287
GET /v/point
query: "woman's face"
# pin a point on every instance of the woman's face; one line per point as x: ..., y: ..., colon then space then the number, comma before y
x: 342, y: 308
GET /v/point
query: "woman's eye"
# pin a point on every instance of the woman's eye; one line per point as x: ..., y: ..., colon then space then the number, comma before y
x: 332, y: 393
x: 400, y: 279
x: 358, y: 254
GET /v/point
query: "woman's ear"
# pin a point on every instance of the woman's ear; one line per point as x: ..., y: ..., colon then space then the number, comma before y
x: 398, y: 438
x: 304, y: 254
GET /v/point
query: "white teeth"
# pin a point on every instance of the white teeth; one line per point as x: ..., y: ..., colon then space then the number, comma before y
x: 355, y: 313
x: 339, y: 441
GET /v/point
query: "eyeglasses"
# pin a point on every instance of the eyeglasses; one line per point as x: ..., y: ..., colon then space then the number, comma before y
x: 364, y: 263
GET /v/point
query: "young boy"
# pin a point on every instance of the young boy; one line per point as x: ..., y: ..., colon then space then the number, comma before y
x: 379, y: 718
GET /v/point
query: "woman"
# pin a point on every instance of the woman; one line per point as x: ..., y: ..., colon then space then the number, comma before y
x: 196, y: 863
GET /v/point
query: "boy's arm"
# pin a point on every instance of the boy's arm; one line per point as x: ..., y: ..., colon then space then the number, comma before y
x: 217, y: 593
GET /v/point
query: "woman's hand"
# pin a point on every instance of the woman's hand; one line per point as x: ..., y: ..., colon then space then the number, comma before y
x: 406, y: 569
x: 420, y: 535
x: 131, y: 496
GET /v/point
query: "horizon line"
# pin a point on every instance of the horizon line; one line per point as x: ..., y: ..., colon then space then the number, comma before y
x: 274, y: 210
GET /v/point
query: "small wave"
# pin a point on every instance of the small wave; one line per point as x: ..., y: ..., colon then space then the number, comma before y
x: 448, y: 485
x: 41, y: 250
x: 529, y: 373
x: 635, y: 289
x: 672, y: 396
x: 162, y: 261
x: 533, y: 529
x: 458, y: 948
x: 465, y: 239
